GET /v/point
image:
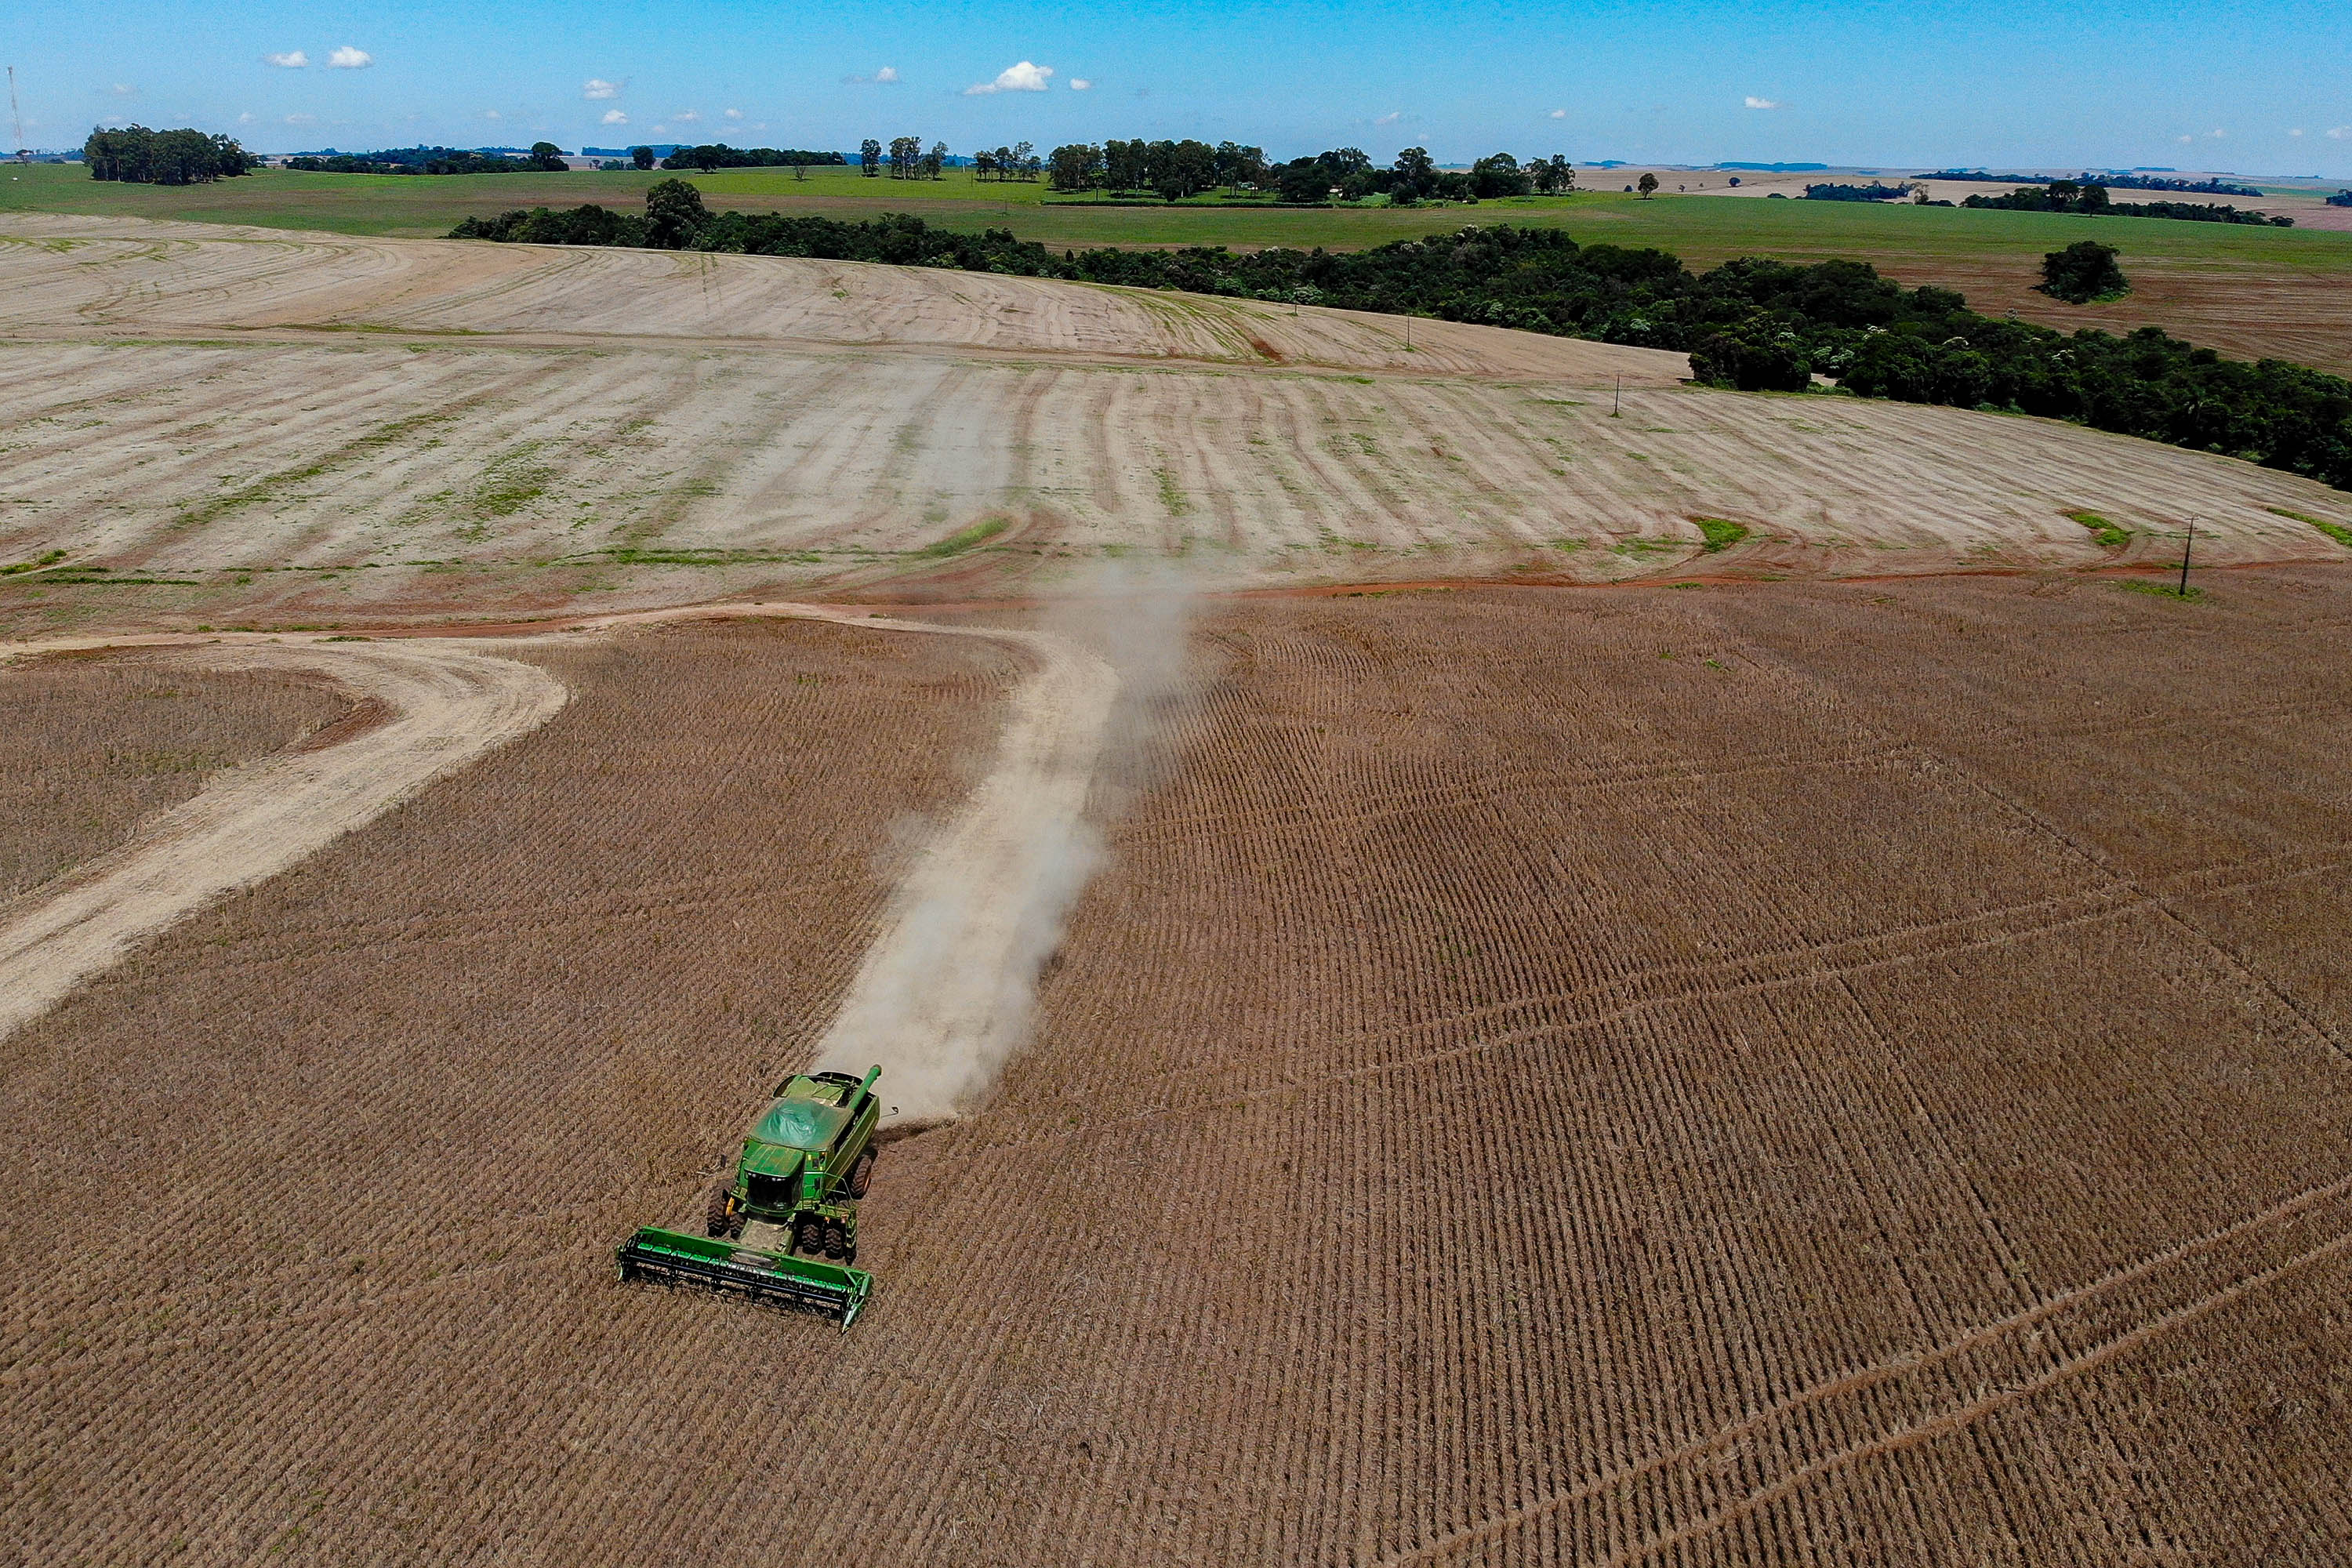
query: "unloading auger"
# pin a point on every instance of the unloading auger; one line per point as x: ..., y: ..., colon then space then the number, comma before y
x: 784, y: 1228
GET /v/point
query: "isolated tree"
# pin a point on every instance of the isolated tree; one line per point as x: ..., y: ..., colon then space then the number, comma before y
x: 1648, y: 185
x: 674, y: 214
x: 547, y: 155
x: 906, y: 153
x: 983, y: 165
x: 869, y: 157
x: 1023, y: 161
x: 935, y: 162
x: 643, y: 157
x: 2084, y: 271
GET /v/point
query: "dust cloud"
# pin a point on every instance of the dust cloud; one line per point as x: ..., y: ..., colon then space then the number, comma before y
x: 948, y: 993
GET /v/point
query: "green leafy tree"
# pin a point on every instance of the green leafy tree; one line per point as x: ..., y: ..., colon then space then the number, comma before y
x: 2084, y: 271
x: 870, y: 158
x: 547, y: 155
x: 1647, y: 185
x: 674, y: 214
x: 643, y: 157
x: 935, y: 162
x: 1415, y: 169
x: 1075, y: 167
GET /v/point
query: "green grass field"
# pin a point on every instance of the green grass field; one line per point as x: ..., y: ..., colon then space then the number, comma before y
x: 1701, y: 229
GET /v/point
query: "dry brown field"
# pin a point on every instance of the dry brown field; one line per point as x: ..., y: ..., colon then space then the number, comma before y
x: 94, y: 745
x: 1770, y: 1073
x: 250, y: 429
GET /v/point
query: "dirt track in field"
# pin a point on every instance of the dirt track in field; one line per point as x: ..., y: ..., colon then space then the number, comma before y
x: 943, y: 998
x: 441, y: 706
x: 342, y: 432
x: 1785, y: 1073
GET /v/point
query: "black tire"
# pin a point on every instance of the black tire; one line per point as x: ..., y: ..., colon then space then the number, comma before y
x: 716, y: 1220
x: 861, y: 1175
x: 808, y: 1237
x: 836, y: 1244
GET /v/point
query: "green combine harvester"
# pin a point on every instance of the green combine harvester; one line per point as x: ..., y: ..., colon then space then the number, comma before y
x: 784, y: 1228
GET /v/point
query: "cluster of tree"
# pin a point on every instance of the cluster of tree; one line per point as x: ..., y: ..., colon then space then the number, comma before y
x: 718, y: 155
x: 1018, y: 161
x: 1749, y: 323
x: 1175, y: 170
x: 2084, y: 271
x: 2114, y: 182
x: 1873, y: 192
x: 2066, y: 196
x: 544, y: 157
x: 2340, y: 199
x: 144, y: 157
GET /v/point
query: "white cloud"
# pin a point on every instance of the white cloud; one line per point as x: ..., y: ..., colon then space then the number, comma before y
x: 686, y: 116
x: 248, y: 117
x: 348, y: 58
x: 1390, y: 118
x: 885, y: 77
x: 2184, y: 139
x: 2217, y: 134
x: 1557, y: 114
x: 492, y: 114
x: 887, y: 73
x: 734, y: 114
x: 615, y: 116
x: 2341, y: 132
x: 1081, y: 84
x: 657, y: 131
x: 596, y: 87
x: 292, y: 60
x: 301, y: 120
x: 2297, y: 132
x: 1021, y: 78
x: 122, y: 89
x: 1755, y: 102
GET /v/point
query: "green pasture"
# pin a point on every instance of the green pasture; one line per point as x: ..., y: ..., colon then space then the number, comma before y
x: 1703, y: 230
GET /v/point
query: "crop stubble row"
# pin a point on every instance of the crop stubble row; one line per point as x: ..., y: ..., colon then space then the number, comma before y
x: 1511, y: 1095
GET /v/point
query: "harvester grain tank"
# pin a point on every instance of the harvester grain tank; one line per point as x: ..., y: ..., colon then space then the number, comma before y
x: 783, y: 1227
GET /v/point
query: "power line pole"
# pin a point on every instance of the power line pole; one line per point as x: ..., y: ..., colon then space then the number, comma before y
x: 17, y: 115
x: 2190, y: 543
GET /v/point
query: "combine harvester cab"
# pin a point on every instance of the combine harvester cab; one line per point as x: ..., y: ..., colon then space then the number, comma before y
x: 784, y: 1228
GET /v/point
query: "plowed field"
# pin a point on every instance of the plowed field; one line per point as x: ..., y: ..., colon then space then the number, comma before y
x: 219, y: 429
x: 1785, y: 1073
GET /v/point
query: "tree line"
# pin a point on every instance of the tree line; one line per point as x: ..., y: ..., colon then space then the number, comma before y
x: 718, y: 155
x: 1749, y: 323
x: 544, y: 157
x: 139, y: 156
x: 2113, y: 181
x: 1176, y: 170
x: 2068, y: 196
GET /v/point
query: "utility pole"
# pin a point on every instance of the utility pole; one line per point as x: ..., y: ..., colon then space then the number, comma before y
x: 2190, y: 543
x: 1617, y: 398
x: 23, y: 153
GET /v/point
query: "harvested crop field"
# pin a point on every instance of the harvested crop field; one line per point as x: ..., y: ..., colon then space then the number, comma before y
x: 1781, y: 1073
x: 220, y: 430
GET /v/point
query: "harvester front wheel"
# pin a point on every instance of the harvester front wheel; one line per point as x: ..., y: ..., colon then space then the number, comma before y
x: 861, y: 1175
x: 719, y: 1215
x: 836, y: 1244
x: 808, y: 1237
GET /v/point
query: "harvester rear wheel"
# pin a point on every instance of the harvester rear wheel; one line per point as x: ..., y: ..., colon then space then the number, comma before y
x: 861, y: 1175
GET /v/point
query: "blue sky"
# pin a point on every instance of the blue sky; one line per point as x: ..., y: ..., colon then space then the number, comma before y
x: 2261, y: 88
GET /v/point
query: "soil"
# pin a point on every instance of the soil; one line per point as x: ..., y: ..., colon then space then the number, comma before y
x: 1764, y: 1073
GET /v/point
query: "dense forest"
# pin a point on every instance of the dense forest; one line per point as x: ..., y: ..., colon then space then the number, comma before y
x: 1749, y: 323
x: 1175, y: 170
x: 2067, y: 197
x: 144, y: 157
x: 1873, y: 192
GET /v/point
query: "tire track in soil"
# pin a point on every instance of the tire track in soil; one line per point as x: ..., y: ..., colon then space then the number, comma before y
x: 2152, y: 1269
